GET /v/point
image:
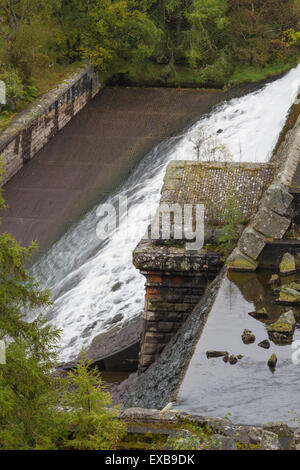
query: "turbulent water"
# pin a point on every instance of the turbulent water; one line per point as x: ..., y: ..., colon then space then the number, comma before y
x: 93, y: 280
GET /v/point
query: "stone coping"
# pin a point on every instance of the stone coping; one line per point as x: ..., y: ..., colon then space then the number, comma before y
x: 210, y: 183
x: 38, y: 108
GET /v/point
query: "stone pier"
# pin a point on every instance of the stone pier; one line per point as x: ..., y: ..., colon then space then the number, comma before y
x: 175, y: 277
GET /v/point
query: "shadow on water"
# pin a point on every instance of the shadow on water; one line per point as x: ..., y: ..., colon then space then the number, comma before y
x: 249, y: 391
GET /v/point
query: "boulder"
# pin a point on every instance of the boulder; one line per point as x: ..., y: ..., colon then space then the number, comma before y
x: 264, y: 344
x: 248, y: 337
x: 212, y: 354
x: 272, y: 361
x: 226, y: 358
x: 233, y: 359
x: 278, y: 427
x: 238, y: 261
x: 252, y: 243
x: 271, y: 224
x: 289, y: 295
x: 287, y: 265
x: 274, y: 279
x: 278, y: 199
x: 218, y: 442
x: 254, y: 435
x: 282, y: 330
x: 261, y: 314
x: 269, y: 441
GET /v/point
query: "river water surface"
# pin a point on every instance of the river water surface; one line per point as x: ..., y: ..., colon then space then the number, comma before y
x: 94, y: 280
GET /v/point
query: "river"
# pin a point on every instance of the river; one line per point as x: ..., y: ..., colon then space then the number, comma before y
x: 93, y: 281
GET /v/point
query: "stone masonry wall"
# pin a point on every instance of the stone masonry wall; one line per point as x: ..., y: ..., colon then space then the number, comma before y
x: 176, y: 278
x: 32, y: 129
x: 175, y: 283
x: 276, y: 210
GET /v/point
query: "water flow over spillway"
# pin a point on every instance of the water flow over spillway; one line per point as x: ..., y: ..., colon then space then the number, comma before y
x: 93, y: 282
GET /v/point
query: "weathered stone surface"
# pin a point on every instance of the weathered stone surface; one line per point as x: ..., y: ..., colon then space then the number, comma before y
x: 283, y: 329
x: 212, y: 354
x: 261, y: 314
x: 289, y: 296
x: 238, y: 261
x: 264, y: 344
x: 30, y: 131
x: 218, y: 442
x: 252, y: 243
x: 287, y: 265
x: 233, y: 359
x: 278, y: 199
x: 269, y: 441
x: 272, y: 361
x: 274, y: 279
x: 271, y: 224
x: 278, y: 427
x: 248, y: 337
x: 255, y: 435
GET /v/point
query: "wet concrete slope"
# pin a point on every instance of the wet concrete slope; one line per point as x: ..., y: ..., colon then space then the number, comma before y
x: 92, y: 154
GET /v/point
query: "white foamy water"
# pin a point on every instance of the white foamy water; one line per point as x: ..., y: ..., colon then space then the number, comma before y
x: 92, y: 280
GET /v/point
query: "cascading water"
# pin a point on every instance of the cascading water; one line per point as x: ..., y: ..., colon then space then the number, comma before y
x: 93, y: 280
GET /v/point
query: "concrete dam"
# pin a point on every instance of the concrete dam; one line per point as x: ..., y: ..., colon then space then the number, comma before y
x: 98, y: 294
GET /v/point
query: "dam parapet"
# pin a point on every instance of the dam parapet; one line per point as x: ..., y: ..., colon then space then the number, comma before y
x: 33, y: 128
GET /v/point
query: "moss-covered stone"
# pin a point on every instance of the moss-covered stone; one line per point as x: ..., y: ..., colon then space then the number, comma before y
x: 237, y: 261
x: 283, y: 329
x: 272, y: 361
x: 287, y: 265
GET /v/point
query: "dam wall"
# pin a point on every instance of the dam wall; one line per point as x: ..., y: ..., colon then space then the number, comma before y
x: 32, y: 129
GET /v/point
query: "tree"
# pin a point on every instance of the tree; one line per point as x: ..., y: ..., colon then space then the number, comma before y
x: 94, y: 425
x: 26, y: 26
x: 257, y: 29
x: 29, y: 392
x: 113, y: 35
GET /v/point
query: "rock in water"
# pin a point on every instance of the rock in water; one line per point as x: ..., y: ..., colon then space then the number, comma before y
x: 289, y: 295
x: 233, y: 360
x: 281, y: 332
x: 264, y: 344
x: 287, y: 265
x: 212, y: 354
x: 272, y: 361
x: 273, y: 280
x: 261, y: 314
x: 248, y: 337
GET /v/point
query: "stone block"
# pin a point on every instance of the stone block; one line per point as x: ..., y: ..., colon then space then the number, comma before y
x: 271, y: 224
x: 252, y: 243
x: 237, y: 261
x: 277, y: 199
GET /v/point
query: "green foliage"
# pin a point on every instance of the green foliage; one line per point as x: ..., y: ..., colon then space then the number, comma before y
x: 192, y: 42
x: 94, y: 425
x: 29, y: 393
x: 14, y: 85
x: 230, y: 231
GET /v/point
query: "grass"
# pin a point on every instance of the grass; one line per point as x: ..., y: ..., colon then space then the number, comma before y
x: 46, y: 80
x: 43, y: 81
x: 256, y: 74
x: 185, y: 77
